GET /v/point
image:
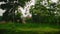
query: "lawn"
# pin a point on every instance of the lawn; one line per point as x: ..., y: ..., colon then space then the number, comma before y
x: 29, y: 28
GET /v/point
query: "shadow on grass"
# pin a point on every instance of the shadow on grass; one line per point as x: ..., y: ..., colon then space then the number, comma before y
x: 7, y: 31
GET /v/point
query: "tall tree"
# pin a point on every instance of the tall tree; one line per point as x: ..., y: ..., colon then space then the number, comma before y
x: 10, y: 6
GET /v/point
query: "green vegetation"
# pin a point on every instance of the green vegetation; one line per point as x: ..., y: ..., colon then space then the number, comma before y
x: 29, y: 28
x: 45, y: 17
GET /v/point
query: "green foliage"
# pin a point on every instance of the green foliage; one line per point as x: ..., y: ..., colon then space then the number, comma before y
x: 10, y: 8
x: 23, y: 2
x: 40, y: 13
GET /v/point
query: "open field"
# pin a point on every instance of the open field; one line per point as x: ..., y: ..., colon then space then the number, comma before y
x: 29, y: 28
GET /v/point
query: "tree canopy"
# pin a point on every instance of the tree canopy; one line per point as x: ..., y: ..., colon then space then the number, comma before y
x: 10, y: 6
x: 45, y: 11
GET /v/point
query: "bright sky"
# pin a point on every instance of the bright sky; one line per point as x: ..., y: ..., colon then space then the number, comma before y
x: 2, y: 11
x: 26, y: 8
x: 54, y: 0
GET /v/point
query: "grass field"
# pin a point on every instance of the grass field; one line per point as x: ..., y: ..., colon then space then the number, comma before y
x: 29, y: 28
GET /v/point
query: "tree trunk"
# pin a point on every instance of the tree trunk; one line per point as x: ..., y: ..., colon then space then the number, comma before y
x: 23, y: 20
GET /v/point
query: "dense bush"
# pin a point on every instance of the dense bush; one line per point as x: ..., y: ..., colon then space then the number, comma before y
x: 46, y: 19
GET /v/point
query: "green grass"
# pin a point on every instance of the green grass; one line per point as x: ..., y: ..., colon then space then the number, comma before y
x: 29, y: 28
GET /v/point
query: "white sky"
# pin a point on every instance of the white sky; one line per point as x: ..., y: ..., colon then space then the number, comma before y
x: 2, y: 11
x: 26, y: 8
x: 54, y: 0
